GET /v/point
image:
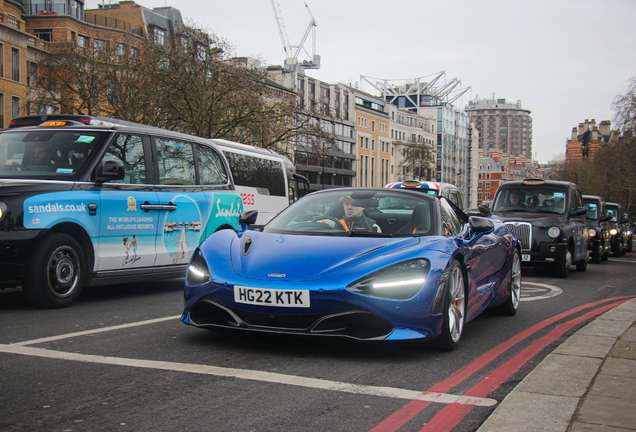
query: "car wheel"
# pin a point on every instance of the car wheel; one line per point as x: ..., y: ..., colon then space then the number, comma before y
x: 55, y: 275
x: 623, y: 248
x: 616, y: 249
x: 562, y: 269
x: 511, y: 305
x: 582, y: 265
x: 629, y: 245
x: 454, y: 309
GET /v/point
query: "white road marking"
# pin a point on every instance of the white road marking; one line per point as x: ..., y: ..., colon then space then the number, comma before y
x: 99, y: 330
x: 21, y: 348
x: 552, y: 291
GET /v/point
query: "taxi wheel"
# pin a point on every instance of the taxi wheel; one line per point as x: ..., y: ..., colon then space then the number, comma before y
x: 454, y: 310
x: 55, y: 275
x: 596, y: 256
x: 511, y: 305
x: 629, y: 245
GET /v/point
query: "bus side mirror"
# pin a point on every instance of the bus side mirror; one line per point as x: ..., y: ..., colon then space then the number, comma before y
x: 109, y: 171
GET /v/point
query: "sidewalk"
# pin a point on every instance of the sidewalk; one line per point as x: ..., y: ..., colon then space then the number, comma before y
x: 587, y: 384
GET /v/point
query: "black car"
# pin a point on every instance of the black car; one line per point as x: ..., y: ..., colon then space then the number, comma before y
x: 548, y: 216
x: 598, y: 225
x: 630, y: 232
x: 618, y: 228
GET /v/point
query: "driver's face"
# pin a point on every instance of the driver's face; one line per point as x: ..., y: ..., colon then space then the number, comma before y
x: 40, y: 156
x: 352, y: 212
x: 514, y: 199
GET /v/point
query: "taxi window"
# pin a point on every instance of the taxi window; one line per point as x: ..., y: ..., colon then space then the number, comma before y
x: 129, y: 150
x: 211, y: 168
x: 176, y: 162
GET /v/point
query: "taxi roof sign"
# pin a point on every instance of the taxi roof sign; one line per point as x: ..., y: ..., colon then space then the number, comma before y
x: 54, y: 123
x: 531, y: 181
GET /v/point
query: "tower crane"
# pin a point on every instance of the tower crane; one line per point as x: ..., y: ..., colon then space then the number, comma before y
x: 292, y: 51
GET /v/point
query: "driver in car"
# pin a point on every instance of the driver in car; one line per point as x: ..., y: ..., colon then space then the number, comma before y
x: 42, y: 155
x: 516, y: 199
x: 355, y: 220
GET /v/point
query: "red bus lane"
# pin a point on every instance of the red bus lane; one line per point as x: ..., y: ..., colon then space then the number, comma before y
x: 448, y: 417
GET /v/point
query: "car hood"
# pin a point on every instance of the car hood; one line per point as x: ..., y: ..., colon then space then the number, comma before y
x: 270, y: 256
x: 540, y: 220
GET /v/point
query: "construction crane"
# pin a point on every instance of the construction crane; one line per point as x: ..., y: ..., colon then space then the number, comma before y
x: 292, y: 51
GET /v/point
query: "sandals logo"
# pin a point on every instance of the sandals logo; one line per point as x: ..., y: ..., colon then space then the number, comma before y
x: 231, y: 212
x: 132, y: 204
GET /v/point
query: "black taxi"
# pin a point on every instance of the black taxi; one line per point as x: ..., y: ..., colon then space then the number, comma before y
x: 598, y: 228
x: 548, y: 216
x: 90, y: 200
x: 619, y: 227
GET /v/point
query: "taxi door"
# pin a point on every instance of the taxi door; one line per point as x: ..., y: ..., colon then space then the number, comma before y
x: 128, y: 226
x: 185, y: 203
x: 579, y: 225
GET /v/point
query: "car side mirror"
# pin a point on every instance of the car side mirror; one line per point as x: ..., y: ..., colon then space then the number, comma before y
x: 480, y: 224
x: 248, y: 218
x: 484, y: 209
x: 109, y: 171
x: 606, y: 218
x: 579, y: 211
x: 624, y: 221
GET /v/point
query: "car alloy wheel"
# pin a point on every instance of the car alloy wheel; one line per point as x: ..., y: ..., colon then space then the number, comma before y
x: 457, y: 304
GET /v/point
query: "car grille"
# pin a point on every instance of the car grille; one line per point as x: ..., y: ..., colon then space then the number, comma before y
x: 523, y: 231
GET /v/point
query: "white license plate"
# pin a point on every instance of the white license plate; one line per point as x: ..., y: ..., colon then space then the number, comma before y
x: 525, y: 257
x: 271, y: 297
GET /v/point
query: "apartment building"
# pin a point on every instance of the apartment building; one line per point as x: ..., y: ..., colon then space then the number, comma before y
x: 503, y: 126
x: 20, y: 51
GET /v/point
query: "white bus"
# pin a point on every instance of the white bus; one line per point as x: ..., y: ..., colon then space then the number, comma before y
x: 267, y: 181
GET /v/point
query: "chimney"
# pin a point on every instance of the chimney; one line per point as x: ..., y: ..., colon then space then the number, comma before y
x: 594, y: 134
x: 583, y: 127
x: 574, y: 131
x: 605, y: 127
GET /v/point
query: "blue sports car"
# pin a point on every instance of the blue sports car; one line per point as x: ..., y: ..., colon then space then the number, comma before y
x: 368, y: 264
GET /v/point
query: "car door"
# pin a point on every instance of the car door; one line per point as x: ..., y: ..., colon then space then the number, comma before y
x: 127, y: 231
x: 181, y: 200
x: 579, y: 225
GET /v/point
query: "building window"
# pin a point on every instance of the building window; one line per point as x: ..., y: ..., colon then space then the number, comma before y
x: 15, y: 64
x: 15, y: 107
x: 488, y: 185
x: 361, y: 142
x: 373, y: 126
x: 99, y: 45
x: 160, y: 36
x: 120, y: 49
x: 1, y: 61
x: 82, y: 41
x: 487, y: 195
x: 45, y: 35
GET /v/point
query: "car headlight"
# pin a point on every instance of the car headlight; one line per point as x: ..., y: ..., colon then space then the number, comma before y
x: 397, y: 282
x: 198, y: 271
x: 592, y: 233
x: 628, y: 232
x: 613, y: 231
x: 554, y: 232
x: 3, y: 209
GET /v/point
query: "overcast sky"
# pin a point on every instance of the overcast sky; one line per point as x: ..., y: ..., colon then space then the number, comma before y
x: 565, y: 60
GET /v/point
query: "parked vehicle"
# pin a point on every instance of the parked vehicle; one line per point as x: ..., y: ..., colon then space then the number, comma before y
x: 618, y: 228
x: 598, y: 228
x: 91, y: 200
x: 411, y: 266
x: 447, y: 190
x: 548, y: 216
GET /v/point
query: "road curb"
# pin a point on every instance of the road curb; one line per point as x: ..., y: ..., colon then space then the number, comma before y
x: 549, y: 397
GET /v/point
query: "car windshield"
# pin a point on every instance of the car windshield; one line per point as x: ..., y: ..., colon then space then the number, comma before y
x: 360, y: 212
x: 612, y: 211
x: 50, y: 154
x: 530, y: 199
x: 592, y: 210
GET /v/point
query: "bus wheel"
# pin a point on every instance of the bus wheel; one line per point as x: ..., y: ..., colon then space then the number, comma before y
x: 56, y: 273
